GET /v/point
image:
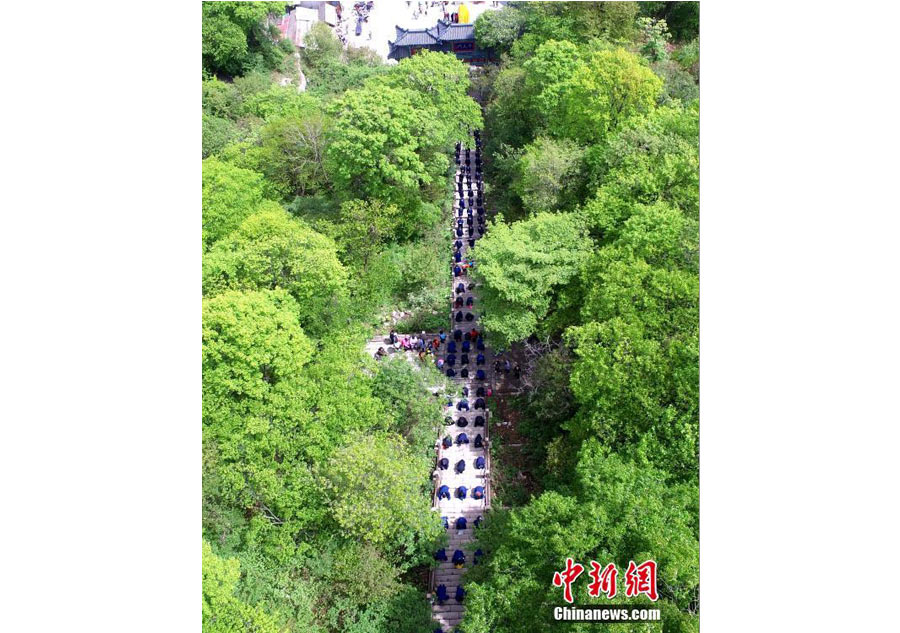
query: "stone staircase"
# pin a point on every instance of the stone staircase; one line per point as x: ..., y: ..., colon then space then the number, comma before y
x: 449, y: 613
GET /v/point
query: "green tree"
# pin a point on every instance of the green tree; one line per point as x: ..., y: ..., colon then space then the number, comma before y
x: 254, y: 351
x: 499, y: 29
x: 521, y: 265
x: 230, y: 195
x: 233, y: 30
x: 279, y: 102
x: 321, y: 48
x: 547, y: 169
x: 443, y: 81
x: 291, y: 155
x: 364, y: 227
x: 605, y: 92
x: 636, y: 371
x: 224, y: 45
x: 374, y: 145
x: 616, y: 511
x: 655, y: 34
x: 272, y: 250
x: 379, y: 493
x: 222, y: 611
x: 653, y: 158
x: 217, y: 134
x: 548, y: 75
x: 683, y: 18
x: 404, y: 389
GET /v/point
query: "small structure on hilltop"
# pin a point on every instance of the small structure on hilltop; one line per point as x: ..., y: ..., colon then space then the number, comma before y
x: 444, y: 37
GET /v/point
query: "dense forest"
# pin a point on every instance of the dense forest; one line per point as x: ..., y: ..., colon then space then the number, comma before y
x: 325, y: 211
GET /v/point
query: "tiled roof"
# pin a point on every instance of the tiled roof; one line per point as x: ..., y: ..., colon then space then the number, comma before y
x: 416, y: 38
x: 441, y: 32
x: 450, y: 32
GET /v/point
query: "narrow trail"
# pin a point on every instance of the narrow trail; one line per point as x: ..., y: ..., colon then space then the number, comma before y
x: 467, y: 361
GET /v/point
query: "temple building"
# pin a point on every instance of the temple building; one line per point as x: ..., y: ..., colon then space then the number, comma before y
x: 445, y: 37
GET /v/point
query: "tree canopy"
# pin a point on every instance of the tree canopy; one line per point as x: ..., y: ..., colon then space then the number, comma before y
x: 324, y: 224
x: 271, y: 250
x: 521, y: 264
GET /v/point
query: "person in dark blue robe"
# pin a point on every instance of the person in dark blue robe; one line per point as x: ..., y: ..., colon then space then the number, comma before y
x: 479, y: 360
x: 479, y: 420
x: 460, y: 594
x: 462, y: 421
x: 461, y: 466
x: 479, y: 403
x: 461, y: 492
x: 480, y: 374
x: 466, y: 346
x: 479, y: 462
x: 444, y: 492
x: 477, y: 557
x: 462, y: 405
x: 478, y: 492
x: 479, y: 441
x: 440, y: 555
x: 459, y: 558
x: 442, y: 596
x: 461, y: 439
x: 444, y: 463
x: 448, y: 442
x: 464, y: 359
x: 464, y: 372
x: 461, y: 523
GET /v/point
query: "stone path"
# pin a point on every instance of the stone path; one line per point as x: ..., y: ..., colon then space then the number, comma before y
x: 449, y: 613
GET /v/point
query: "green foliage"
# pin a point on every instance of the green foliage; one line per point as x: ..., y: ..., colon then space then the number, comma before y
x: 617, y: 511
x: 402, y: 388
x: 547, y: 169
x: 549, y: 73
x: 253, y: 352
x: 271, y: 250
x: 230, y: 195
x: 290, y: 154
x: 222, y: 611
x: 217, y: 134
x: 443, y: 81
x: 655, y: 158
x: 390, y: 142
x: 235, y: 36
x: 688, y: 57
x: 499, y: 29
x: 221, y: 99
x: 521, y: 265
x: 375, y: 489
x: 677, y: 83
x: 316, y: 459
x: 683, y: 18
x: 279, y: 102
x: 655, y: 34
x: 321, y: 48
x: 373, y: 149
x: 606, y: 91
x: 364, y: 227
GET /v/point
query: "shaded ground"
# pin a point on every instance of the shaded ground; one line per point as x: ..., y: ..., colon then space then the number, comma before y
x: 513, y: 477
